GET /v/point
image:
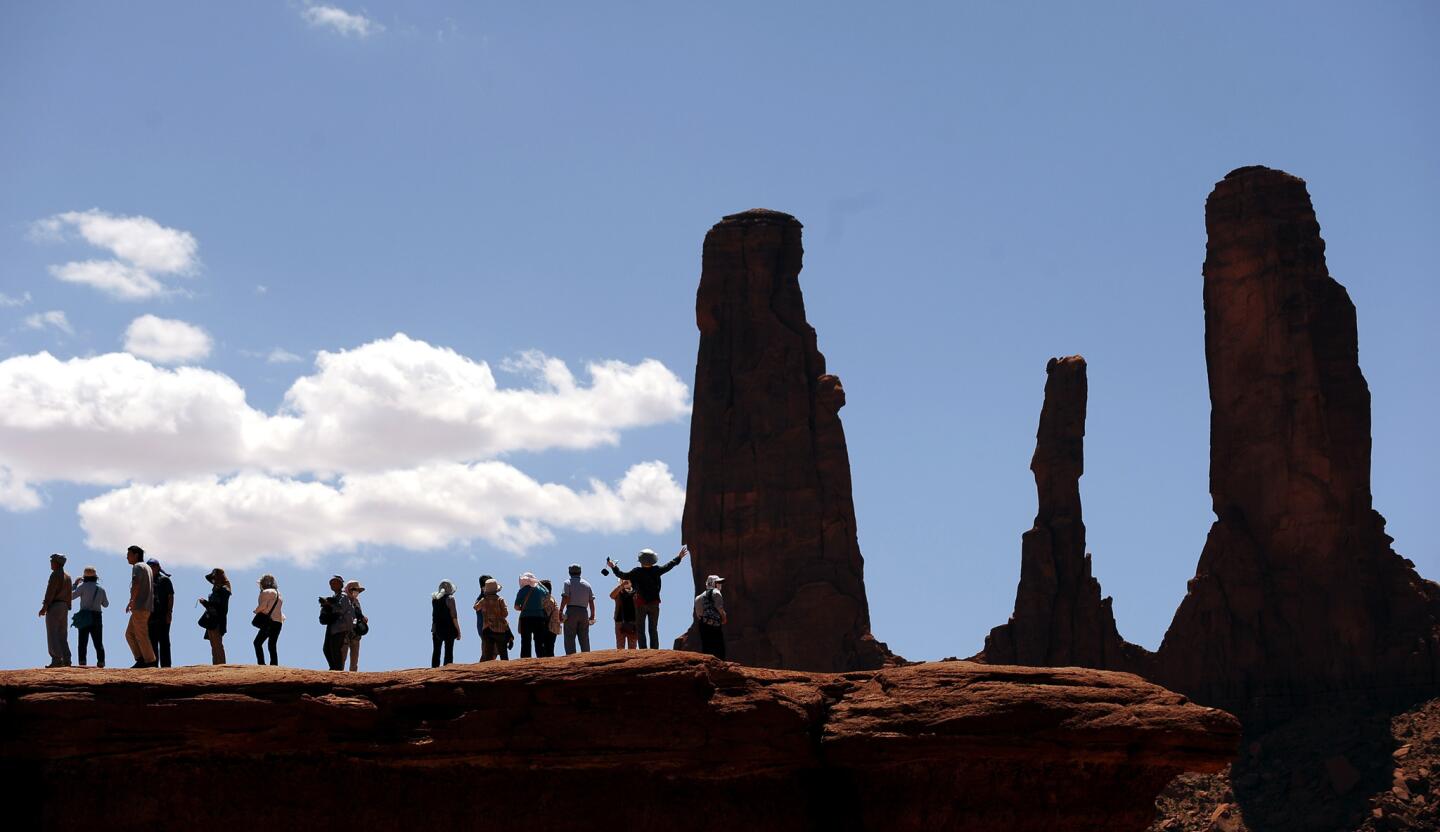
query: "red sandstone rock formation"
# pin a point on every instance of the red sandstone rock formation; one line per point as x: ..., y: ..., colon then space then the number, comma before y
x: 1298, y: 594
x: 1060, y: 620
x: 639, y: 741
x: 768, y: 503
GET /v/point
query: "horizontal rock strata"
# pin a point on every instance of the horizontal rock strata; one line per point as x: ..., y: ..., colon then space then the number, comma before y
x: 637, y: 741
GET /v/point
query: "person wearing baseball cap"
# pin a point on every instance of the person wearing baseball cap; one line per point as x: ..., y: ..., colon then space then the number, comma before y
x: 350, y: 647
x: 577, y: 601
x: 163, y: 614
x: 710, y: 617
x: 55, y: 609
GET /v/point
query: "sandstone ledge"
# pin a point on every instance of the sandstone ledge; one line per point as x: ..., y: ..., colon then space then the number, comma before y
x: 640, y: 741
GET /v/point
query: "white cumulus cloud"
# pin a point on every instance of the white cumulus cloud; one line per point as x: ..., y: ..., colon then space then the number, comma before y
x: 239, y: 521
x: 54, y: 319
x: 385, y: 436
x: 141, y: 247
x: 166, y: 341
x: 338, y: 20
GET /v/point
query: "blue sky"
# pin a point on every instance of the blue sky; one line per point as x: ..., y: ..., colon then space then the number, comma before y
x: 983, y: 186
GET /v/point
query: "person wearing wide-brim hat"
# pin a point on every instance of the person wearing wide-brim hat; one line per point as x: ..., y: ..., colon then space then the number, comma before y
x: 350, y: 647
x: 89, y: 620
x: 710, y: 617
x: 217, y: 610
x: 55, y: 609
x: 495, y: 635
x: 646, y: 580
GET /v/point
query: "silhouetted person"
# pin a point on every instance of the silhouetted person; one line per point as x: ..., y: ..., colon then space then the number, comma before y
x: 545, y: 647
x: 444, y: 624
x: 495, y: 636
x: 625, y: 627
x: 141, y: 603
x: 646, y: 580
x: 55, y: 609
x: 350, y: 647
x: 530, y: 609
x: 577, y: 600
x: 479, y: 616
x: 90, y: 619
x: 338, y: 616
x: 217, y: 613
x: 710, y: 617
x: 269, y: 619
x: 163, y: 614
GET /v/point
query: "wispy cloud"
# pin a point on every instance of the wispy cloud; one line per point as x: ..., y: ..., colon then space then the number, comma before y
x: 336, y: 19
x: 14, y: 300
x: 54, y: 319
x: 166, y: 341
x: 281, y: 356
x: 141, y: 247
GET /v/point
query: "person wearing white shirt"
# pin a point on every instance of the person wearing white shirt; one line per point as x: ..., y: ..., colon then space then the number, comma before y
x: 268, y: 618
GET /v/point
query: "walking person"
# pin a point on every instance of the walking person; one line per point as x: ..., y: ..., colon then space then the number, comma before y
x: 625, y: 628
x: 217, y: 611
x: 89, y: 620
x: 350, y: 647
x: 338, y: 616
x: 646, y: 580
x: 268, y: 618
x: 142, y: 601
x: 578, y: 602
x: 534, y: 621
x: 444, y: 624
x: 553, y: 624
x: 164, y: 612
x: 495, y: 635
x: 55, y: 609
x: 710, y: 617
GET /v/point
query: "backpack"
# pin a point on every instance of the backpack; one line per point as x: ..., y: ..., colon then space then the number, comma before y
x: 709, y: 615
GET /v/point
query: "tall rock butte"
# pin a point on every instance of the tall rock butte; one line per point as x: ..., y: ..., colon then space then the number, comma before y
x: 768, y: 504
x: 1298, y: 595
x: 1060, y: 620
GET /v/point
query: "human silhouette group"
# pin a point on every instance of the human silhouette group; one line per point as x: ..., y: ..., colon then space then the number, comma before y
x: 541, y: 619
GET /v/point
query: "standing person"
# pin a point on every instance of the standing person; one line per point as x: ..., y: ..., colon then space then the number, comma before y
x: 142, y: 601
x: 88, y: 620
x: 495, y: 637
x: 625, y: 629
x: 268, y: 618
x: 553, y: 626
x: 646, y: 580
x: 338, y: 616
x: 444, y: 623
x: 576, y: 598
x: 164, y: 611
x: 55, y: 609
x: 351, y: 645
x: 710, y: 617
x: 530, y: 607
x: 480, y: 616
x: 217, y: 611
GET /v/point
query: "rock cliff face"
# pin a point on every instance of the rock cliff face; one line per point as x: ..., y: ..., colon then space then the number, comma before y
x: 1298, y: 594
x: 1060, y: 620
x: 642, y: 741
x: 768, y: 504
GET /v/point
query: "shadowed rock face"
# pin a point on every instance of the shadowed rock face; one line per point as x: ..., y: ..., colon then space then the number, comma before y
x: 641, y: 740
x: 768, y: 504
x: 1298, y: 594
x: 1060, y: 619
